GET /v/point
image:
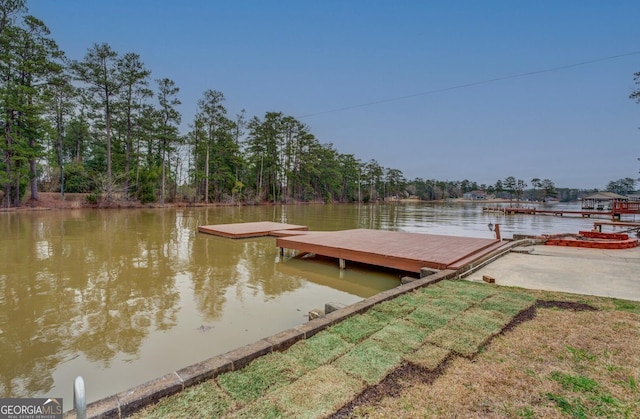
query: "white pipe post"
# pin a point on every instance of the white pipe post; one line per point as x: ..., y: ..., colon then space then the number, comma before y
x: 79, y: 398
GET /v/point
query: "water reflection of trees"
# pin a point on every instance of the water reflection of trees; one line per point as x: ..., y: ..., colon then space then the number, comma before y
x: 235, y: 267
x: 262, y: 269
x: 95, y: 284
x: 92, y: 283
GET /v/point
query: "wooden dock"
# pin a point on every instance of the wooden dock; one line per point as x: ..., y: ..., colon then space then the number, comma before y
x: 615, y: 213
x: 630, y: 226
x: 245, y: 230
x: 392, y: 249
x: 559, y: 212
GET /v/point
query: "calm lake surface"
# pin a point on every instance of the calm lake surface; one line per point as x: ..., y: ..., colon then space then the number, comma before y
x: 124, y: 296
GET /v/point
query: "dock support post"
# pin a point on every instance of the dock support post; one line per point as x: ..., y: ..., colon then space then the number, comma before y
x: 497, y: 229
x: 342, y: 264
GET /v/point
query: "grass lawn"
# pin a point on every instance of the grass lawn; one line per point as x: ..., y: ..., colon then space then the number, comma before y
x: 454, y: 349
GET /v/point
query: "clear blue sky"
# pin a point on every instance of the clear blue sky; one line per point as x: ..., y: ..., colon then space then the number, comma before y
x: 575, y: 126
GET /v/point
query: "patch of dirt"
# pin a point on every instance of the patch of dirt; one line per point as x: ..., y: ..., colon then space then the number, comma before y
x: 409, y: 374
x: 523, y: 316
x: 392, y: 385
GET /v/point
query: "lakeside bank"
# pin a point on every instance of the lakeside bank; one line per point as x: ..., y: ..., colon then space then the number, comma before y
x: 389, y: 360
x: 450, y: 338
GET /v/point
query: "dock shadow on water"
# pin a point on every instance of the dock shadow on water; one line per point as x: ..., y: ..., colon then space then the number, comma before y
x: 124, y: 296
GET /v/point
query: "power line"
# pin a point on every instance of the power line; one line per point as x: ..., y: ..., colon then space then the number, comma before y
x: 476, y: 83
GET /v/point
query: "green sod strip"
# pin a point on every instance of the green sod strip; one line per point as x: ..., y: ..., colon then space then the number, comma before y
x: 382, y: 316
x: 476, y: 293
x: 412, y: 300
x: 497, y: 317
x: 368, y: 361
x: 356, y: 328
x: 525, y: 299
x: 458, y: 286
x: 252, y: 382
x: 396, y: 308
x: 318, y: 350
x: 436, y: 291
x: 506, y: 304
x: 428, y: 356
x: 430, y: 318
x: 483, y: 321
x: 448, y: 284
x: 401, y: 336
x: 459, y: 338
x: 317, y: 394
x: 451, y: 304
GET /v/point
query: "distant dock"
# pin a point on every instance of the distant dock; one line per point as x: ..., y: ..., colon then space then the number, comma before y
x: 535, y: 211
x: 615, y: 213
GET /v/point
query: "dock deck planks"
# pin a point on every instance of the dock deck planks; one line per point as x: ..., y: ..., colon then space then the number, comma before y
x: 399, y: 250
x: 245, y: 230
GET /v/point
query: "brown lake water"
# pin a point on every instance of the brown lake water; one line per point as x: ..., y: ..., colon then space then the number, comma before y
x: 124, y: 296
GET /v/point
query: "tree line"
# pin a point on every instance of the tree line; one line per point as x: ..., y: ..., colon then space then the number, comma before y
x: 102, y: 125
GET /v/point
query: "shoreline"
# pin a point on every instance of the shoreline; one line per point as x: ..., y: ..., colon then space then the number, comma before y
x: 50, y: 201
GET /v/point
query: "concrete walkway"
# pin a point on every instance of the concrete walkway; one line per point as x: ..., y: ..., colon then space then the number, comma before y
x: 604, y: 273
